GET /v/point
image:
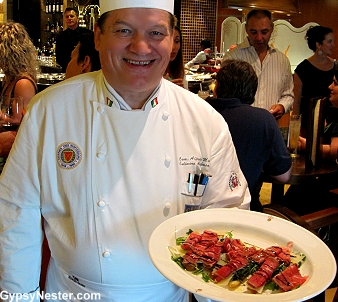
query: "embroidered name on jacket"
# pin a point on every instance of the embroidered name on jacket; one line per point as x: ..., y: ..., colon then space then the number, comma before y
x: 76, y: 280
x: 68, y: 155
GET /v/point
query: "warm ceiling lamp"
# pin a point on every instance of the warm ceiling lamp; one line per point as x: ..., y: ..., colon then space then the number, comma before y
x: 281, y: 6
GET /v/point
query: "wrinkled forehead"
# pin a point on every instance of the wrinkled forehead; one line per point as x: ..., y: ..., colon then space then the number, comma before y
x: 70, y: 13
x: 139, y: 17
x: 256, y: 23
x: 110, y: 5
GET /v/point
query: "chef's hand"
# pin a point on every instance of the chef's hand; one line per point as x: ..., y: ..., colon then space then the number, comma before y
x: 277, y: 111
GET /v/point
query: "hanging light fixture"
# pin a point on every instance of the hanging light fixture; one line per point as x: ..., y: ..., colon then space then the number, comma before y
x: 281, y: 6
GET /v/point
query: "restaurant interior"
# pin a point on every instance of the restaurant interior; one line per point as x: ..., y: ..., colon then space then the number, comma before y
x: 199, y: 19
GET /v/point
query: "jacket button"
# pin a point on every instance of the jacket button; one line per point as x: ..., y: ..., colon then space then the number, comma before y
x: 100, y: 155
x: 101, y: 204
x: 100, y: 109
x: 167, y: 161
x: 165, y: 115
x: 106, y: 255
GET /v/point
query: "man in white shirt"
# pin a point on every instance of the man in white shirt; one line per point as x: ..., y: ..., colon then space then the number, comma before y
x: 275, y: 82
x: 104, y: 158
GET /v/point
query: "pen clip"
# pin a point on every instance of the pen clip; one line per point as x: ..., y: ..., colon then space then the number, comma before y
x: 196, y: 182
x: 190, y: 183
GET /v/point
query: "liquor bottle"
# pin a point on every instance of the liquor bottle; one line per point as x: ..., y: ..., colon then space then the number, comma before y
x: 48, y: 26
x: 52, y: 27
x: 91, y: 19
x: 56, y: 27
x: 57, y: 6
x: 61, y: 6
x: 47, y: 6
x: 53, y: 6
x: 60, y: 25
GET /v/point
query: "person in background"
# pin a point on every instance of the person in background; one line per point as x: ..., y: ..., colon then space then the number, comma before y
x: 67, y: 40
x: 87, y: 153
x: 313, y: 75
x: 329, y: 145
x: 203, y: 56
x: 19, y: 64
x: 319, y: 189
x: 175, y: 70
x: 84, y: 57
x: 255, y: 132
x: 275, y: 82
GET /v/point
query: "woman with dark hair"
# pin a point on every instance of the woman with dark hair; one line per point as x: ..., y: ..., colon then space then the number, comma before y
x: 319, y: 188
x: 313, y: 75
x: 329, y: 144
x: 175, y: 70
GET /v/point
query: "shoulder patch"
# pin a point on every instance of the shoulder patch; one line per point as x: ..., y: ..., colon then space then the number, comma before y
x: 68, y: 155
x: 234, y: 181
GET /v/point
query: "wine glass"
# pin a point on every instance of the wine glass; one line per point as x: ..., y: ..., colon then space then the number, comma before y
x: 11, y: 114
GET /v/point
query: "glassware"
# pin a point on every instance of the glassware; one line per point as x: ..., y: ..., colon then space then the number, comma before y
x: 294, y: 131
x: 12, y: 111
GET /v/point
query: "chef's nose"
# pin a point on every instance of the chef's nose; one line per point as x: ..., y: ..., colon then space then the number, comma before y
x: 140, y: 44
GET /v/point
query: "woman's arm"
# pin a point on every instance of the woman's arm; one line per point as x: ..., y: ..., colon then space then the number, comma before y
x: 6, y: 141
x: 26, y: 89
x: 328, y: 151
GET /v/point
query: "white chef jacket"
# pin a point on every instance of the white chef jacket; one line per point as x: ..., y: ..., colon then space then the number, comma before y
x: 103, y: 179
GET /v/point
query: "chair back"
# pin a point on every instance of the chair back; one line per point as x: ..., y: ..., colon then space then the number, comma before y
x: 314, y: 132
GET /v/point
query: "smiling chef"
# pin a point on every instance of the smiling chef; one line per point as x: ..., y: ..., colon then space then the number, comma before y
x: 103, y: 158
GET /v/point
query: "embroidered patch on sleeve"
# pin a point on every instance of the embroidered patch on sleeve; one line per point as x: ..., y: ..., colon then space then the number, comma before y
x: 234, y: 181
x: 68, y: 155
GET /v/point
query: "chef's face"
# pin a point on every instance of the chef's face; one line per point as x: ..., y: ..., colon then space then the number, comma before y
x: 134, y: 46
x: 334, y: 92
x: 259, y: 31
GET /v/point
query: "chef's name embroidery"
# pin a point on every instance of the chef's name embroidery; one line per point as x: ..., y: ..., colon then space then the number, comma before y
x: 68, y: 155
x: 76, y: 280
x: 194, y: 161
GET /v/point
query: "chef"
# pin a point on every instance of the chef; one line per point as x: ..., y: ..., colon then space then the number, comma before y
x: 103, y: 158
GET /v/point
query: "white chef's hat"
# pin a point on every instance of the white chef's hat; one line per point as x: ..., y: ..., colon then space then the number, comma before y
x: 108, y: 5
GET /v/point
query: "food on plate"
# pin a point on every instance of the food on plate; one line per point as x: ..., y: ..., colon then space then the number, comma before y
x: 236, y: 265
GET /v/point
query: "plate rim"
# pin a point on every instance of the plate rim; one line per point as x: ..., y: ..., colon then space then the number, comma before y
x: 187, y: 219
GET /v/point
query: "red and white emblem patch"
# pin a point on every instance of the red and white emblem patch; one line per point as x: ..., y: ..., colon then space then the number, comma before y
x: 233, y: 181
x: 68, y: 155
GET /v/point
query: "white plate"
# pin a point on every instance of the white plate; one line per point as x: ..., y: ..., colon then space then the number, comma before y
x: 256, y: 228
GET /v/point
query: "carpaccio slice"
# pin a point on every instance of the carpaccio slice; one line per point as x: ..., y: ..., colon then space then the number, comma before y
x: 206, y: 249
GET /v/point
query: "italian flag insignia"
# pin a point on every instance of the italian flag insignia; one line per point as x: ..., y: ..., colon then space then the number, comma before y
x: 154, y: 102
x: 109, y: 102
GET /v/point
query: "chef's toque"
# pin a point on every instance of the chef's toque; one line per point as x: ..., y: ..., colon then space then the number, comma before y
x: 109, y: 5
